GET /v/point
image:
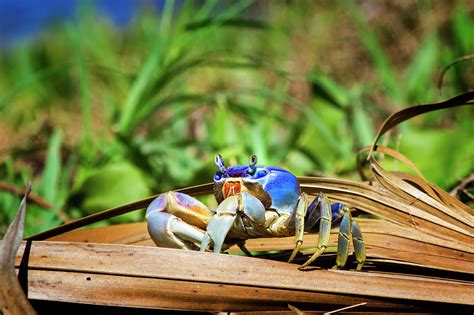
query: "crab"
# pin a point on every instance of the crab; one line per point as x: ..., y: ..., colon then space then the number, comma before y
x: 254, y: 201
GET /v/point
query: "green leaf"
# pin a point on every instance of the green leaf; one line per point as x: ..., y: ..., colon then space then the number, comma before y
x: 110, y: 186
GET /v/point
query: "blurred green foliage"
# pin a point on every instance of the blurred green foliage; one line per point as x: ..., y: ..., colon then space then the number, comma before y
x: 98, y: 116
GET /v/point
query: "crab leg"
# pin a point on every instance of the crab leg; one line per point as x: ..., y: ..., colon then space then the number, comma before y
x: 243, y: 204
x: 359, y: 245
x: 299, y: 224
x: 324, y: 228
x: 344, y: 238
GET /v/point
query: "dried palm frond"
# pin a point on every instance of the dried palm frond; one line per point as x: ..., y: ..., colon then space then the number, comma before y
x: 418, y: 230
x: 151, y: 277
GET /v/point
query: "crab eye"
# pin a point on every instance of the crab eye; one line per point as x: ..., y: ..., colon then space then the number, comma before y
x: 218, y: 176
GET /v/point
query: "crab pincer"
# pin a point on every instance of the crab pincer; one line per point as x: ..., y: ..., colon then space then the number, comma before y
x: 177, y: 220
x: 234, y: 211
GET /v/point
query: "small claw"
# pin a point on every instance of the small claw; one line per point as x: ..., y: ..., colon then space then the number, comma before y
x: 217, y: 230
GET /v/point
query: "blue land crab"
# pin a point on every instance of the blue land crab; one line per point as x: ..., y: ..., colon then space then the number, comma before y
x: 254, y: 201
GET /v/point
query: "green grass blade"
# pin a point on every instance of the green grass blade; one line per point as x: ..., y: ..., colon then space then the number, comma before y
x: 166, y: 18
x: 84, y: 81
x: 233, y: 10
x: 258, y: 132
x: 463, y: 24
x: 232, y: 22
x: 384, y: 67
x: 206, y: 9
x: 52, y: 170
x: 419, y: 75
x: 145, y: 74
x: 139, y: 85
x: 174, y: 71
x: 327, y: 89
x: 362, y: 124
x: 311, y: 116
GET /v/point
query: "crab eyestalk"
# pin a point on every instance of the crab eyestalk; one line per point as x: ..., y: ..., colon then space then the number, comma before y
x: 252, y: 165
x: 220, y: 163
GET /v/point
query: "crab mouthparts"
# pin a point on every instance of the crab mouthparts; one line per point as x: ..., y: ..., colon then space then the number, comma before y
x: 231, y: 189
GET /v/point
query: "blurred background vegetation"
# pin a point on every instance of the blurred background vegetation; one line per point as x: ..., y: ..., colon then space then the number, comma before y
x: 98, y: 114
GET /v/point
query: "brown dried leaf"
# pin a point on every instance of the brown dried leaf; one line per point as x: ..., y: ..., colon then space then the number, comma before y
x: 444, y: 216
x: 13, y: 299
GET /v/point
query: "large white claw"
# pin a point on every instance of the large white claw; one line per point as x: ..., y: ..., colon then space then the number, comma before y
x: 217, y: 230
x: 220, y: 224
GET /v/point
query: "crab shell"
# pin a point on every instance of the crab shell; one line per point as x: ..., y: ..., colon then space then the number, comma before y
x: 276, y: 188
